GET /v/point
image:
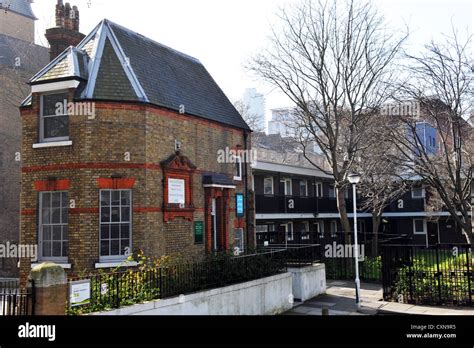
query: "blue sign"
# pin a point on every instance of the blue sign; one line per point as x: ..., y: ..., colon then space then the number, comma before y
x: 239, y: 204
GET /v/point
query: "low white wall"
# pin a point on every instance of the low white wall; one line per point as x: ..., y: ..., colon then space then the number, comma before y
x: 308, y: 282
x: 265, y: 296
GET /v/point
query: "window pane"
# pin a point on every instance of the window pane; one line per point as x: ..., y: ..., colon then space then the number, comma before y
x: 65, y: 248
x: 46, y: 200
x: 125, y: 214
x: 45, y: 216
x: 64, y: 216
x: 65, y: 233
x: 115, y: 211
x: 56, y: 200
x: 56, y: 127
x: 46, y: 233
x: 47, y: 249
x: 104, y: 232
x: 50, y: 103
x: 105, y: 215
x: 115, y: 197
x: 125, y: 198
x: 115, y: 247
x: 104, y: 248
x: 419, y: 226
x: 56, y: 216
x: 57, y: 233
x: 115, y: 231
x: 105, y: 198
x: 125, y: 243
x: 57, y: 249
x: 125, y: 231
x: 64, y: 200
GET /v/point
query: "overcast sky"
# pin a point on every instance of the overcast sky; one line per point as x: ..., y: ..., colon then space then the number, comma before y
x: 223, y: 34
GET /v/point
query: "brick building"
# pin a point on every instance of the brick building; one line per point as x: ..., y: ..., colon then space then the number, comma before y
x: 20, y: 58
x: 133, y: 165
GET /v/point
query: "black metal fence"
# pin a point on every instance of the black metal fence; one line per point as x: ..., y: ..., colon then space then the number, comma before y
x: 117, y: 289
x: 436, y: 275
x: 15, y: 301
x: 339, y: 266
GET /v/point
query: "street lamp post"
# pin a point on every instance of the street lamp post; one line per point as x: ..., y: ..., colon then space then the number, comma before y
x: 354, y: 179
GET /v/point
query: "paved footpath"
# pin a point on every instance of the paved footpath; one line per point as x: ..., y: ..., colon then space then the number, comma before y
x: 340, y: 300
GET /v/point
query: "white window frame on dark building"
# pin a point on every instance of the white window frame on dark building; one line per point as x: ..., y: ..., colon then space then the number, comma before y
x: 265, y: 186
x: 54, y: 226
x: 414, y: 196
x: 287, y: 187
x: 304, y: 184
x: 425, y: 227
x: 319, y: 190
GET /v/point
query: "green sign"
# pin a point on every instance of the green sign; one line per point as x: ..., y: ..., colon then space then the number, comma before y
x: 198, y: 232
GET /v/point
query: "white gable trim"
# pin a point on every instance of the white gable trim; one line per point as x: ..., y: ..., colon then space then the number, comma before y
x: 54, y: 86
x: 94, y: 63
x: 140, y: 92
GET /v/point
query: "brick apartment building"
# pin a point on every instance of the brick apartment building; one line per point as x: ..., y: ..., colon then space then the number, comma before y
x: 139, y: 170
x: 20, y: 58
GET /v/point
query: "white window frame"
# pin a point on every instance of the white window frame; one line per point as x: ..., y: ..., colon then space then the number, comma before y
x: 238, y: 164
x: 114, y: 258
x: 241, y: 245
x: 285, y: 191
x: 306, y: 188
x: 319, y: 190
x: 42, y: 139
x: 425, y: 227
x: 423, y: 193
x: 58, y: 259
x: 289, y: 232
x: 319, y: 228
x: 333, y: 190
x: 333, y: 223
x: 273, y: 189
x: 305, y: 232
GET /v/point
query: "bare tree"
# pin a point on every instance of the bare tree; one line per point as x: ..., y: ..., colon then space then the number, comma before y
x: 382, y: 178
x: 333, y: 61
x: 252, y: 119
x: 441, y: 85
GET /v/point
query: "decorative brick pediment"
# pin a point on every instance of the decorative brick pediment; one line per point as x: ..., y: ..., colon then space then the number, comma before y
x: 178, y: 162
x: 178, y: 168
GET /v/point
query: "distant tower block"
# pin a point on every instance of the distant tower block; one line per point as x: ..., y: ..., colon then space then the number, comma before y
x: 17, y: 19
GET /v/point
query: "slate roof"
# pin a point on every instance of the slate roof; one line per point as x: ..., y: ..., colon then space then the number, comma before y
x: 32, y: 57
x: 125, y: 66
x: 22, y: 7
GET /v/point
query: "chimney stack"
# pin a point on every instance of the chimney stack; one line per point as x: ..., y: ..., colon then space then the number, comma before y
x: 66, y: 33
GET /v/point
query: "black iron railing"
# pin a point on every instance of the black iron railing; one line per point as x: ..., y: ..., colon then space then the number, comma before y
x: 435, y: 275
x: 15, y: 301
x: 117, y: 289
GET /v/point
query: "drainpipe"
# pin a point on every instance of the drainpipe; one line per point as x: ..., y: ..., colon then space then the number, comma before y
x: 246, y: 183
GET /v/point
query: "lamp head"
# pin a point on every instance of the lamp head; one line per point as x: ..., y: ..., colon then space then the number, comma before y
x: 354, y: 178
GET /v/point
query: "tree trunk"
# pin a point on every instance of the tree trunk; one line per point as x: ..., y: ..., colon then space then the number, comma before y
x: 341, y: 206
x: 375, y: 237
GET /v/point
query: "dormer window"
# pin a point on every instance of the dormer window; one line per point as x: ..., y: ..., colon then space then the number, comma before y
x: 54, y: 120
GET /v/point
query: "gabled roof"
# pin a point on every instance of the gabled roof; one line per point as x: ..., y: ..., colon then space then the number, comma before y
x: 122, y: 65
x: 22, y: 7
